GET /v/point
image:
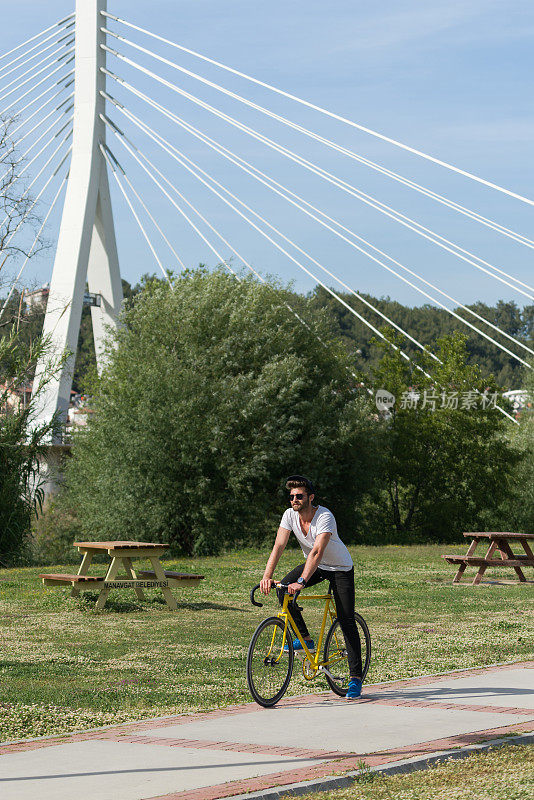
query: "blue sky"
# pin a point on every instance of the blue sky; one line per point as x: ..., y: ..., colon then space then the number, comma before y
x: 450, y: 78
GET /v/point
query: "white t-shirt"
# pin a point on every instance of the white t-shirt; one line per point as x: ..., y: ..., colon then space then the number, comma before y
x: 335, y: 556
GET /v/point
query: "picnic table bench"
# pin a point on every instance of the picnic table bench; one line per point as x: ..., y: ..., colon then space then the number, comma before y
x: 499, y: 541
x: 122, y: 553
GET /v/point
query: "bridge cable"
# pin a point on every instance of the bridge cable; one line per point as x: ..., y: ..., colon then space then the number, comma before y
x: 34, y: 74
x: 29, y: 254
x: 32, y: 77
x: 258, y: 275
x: 307, y: 255
x: 149, y: 214
x: 36, y: 141
x: 43, y: 119
x: 118, y: 133
x: 11, y: 133
x: 285, y: 191
x: 61, y: 83
x: 52, y: 176
x: 123, y: 139
x: 38, y: 35
x: 314, y: 107
x: 514, y: 235
x: 36, y: 199
x: 17, y: 101
x: 157, y: 138
x: 53, y: 36
x: 36, y: 55
x: 50, y: 141
x: 127, y: 143
x: 45, y: 165
x: 143, y: 126
x: 383, y: 208
x: 111, y: 165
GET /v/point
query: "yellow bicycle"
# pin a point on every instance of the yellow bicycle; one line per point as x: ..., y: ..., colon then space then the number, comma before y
x: 271, y: 655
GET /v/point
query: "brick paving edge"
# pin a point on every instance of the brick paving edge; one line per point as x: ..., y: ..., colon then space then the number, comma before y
x: 173, y: 719
x: 407, y: 765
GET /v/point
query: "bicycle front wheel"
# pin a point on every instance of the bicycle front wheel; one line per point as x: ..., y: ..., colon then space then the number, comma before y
x: 269, y: 662
x: 335, y: 655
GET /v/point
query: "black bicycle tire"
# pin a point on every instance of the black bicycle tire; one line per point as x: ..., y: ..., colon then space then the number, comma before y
x: 339, y: 690
x: 258, y: 697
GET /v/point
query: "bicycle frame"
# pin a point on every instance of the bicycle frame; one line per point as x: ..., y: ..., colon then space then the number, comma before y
x: 285, y: 615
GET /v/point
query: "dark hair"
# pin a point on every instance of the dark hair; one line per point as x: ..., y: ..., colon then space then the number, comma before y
x: 298, y: 481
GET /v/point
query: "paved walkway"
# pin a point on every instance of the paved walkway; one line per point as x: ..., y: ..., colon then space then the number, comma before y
x: 246, y: 748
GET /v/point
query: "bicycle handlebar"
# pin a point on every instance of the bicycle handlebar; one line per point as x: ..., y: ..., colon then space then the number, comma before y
x: 277, y: 586
x: 252, y: 593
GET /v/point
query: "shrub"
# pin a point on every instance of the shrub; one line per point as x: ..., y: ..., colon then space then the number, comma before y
x: 54, y: 531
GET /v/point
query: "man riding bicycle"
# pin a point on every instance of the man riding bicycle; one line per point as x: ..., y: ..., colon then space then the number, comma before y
x: 326, y: 558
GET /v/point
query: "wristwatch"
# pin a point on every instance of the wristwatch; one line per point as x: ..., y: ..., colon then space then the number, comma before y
x: 301, y: 581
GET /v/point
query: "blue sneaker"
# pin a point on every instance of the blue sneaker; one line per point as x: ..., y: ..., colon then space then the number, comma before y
x: 297, y: 646
x: 355, y: 689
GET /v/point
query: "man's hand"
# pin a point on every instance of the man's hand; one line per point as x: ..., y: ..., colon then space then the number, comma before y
x: 266, y: 584
x: 293, y: 588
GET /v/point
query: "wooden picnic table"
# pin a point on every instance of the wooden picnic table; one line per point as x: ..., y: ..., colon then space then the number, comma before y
x: 497, y: 541
x: 122, y: 553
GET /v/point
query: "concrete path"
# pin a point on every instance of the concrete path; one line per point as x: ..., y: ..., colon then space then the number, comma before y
x: 249, y: 749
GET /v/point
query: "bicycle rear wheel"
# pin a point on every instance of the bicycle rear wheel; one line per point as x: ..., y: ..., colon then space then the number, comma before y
x: 335, y: 655
x: 269, y: 665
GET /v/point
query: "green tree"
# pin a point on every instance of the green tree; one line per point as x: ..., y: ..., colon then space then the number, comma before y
x: 22, y: 438
x: 444, y: 465
x: 23, y: 442
x: 214, y: 393
x: 517, y: 509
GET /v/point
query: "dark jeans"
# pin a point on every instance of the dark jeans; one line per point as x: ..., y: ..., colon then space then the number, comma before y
x: 342, y: 585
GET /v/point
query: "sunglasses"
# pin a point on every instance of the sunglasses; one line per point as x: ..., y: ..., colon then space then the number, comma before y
x: 296, y: 496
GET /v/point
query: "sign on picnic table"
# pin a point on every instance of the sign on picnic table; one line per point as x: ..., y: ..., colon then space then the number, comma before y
x: 138, y: 584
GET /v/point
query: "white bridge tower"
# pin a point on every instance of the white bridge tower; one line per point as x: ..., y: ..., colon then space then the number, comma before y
x: 86, y: 249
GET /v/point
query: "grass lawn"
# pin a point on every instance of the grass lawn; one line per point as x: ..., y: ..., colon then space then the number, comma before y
x: 65, y: 667
x: 504, y: 774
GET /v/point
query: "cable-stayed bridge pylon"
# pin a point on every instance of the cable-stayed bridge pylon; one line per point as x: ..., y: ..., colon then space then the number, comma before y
x: 86, y: 248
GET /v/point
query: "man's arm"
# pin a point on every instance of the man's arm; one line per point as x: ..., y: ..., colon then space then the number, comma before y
x: 313, y: 560
x: 282, y: 538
